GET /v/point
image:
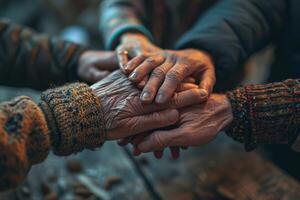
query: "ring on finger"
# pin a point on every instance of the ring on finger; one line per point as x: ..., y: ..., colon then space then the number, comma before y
x: 123, y: 52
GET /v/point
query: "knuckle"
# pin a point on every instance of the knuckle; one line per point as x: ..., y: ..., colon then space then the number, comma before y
x: 159, y: 72
x: 157, y: 118
x: 151, y: 60
x: 186, y: 69
x: 142, y: 56
x: 173, y: 76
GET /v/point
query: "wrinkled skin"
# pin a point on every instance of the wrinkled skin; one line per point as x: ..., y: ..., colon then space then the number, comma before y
x: 188, y: 84
x: 125, y: 115
x: 198, y: 125
x: 135, y: 44
x: 165, y: 70
x: 96, y: 65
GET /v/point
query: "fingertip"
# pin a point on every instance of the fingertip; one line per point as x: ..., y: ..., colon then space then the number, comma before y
x: 136, y: 151
x: 203, y: 95
x: 146, y: 97
x: 160, y: 99
x: 133, y: 76
x: 175, y: 152
x: 175, y: 114
x: 122, y: 142
x: 158, y: 154
x: 143, y: 147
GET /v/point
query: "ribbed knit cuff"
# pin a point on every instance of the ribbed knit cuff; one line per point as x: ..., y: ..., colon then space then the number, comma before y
x: 74, y: 117
x: 265, y: 114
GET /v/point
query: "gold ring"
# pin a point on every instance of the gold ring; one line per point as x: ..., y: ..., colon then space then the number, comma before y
x: 123, y: 52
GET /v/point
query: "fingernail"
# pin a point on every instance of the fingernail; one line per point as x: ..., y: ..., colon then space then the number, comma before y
x: 136, y: 152
x: 159, y: 98
x: 133, y: 76
x: 121, y: 143
x: 145, y: 96
x: 158, y: 155
x: 203, y: 94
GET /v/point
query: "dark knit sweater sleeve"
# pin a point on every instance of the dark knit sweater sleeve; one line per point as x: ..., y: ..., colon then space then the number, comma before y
x: 68, y: 120
x: 233, y: 30
x: 266, y: 114
x: 33, y: 60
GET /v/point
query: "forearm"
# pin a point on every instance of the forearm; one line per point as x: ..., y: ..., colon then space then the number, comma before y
x: 266, y: 114
x: 67, y: 120
x: 32, y: 60
x: 118, y: 17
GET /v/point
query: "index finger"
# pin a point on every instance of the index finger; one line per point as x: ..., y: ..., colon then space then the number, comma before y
x: 208, y: 80
x: 172, y: 80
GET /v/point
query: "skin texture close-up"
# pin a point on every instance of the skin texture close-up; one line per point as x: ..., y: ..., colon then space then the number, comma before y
x: 125, y: 115
x: 167, y: 69
x: 197, y: 126
x: 160, y: 72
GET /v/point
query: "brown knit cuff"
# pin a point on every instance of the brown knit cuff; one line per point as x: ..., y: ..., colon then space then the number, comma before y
x: 75, y: 118
x: 265, y: 114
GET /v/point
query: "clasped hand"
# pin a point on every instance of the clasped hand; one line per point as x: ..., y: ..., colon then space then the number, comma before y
x: 161, y: 74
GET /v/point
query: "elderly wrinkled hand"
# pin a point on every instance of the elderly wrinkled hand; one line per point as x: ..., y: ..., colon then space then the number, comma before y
x: 197, y: 125
x: 167, y: 69
x: 125, y: 115
x: 96, y: 65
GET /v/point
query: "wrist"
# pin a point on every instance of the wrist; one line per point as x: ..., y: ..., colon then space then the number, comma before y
x: 227, y: 114
x: 134, y: 36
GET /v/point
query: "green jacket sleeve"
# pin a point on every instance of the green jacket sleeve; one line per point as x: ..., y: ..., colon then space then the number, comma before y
x: 118, y: 17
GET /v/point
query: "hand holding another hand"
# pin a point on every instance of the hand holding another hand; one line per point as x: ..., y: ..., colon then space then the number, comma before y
x: 167, y: 69
x: 197, y: 125
x: 124, y: 114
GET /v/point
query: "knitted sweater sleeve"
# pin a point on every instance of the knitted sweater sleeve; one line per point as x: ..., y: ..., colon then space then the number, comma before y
x: 266, y: 114
x: 29, y: 59
x: 67, y: 120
